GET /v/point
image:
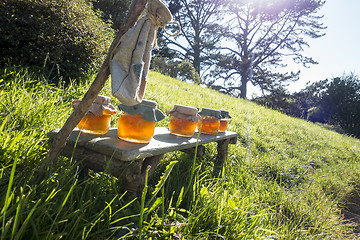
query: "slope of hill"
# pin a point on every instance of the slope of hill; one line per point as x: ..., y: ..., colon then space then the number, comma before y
x: 286, y: 178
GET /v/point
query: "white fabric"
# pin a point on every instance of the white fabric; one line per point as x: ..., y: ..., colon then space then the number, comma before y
x: 101, y: 106
x: 131, y: 60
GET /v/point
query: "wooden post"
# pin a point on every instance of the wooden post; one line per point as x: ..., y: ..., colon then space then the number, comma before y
x: 59, y: 141
x: 133, y: 179
x: 222, y: 154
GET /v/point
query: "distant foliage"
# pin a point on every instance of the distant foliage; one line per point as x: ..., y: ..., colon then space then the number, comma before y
x: 113, y: 11
x: 183, y: 70
x: 188, y: 72
x: 278, y: 99
x: 340, y: 103
x: 335, y: 102
x: 164, y: 66
x: 64, y: 39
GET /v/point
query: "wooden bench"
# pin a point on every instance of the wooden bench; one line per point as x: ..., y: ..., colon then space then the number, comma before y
x: 130, y: 160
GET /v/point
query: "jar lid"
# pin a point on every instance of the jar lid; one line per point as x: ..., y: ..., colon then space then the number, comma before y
x: 148, y: 103
x: 185, y: 109
x: 100, y: 99
x: 185, y: 112
x: 225, y: 114
x: 101, y: 106
x: 210, y: 112
x: 146, y: 108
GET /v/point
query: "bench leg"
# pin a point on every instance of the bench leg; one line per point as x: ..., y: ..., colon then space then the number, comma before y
x: 83, y: 173
x: 222, y: 152
x: 133, y: 180
x: 150, y: 161
x: 200, y: 151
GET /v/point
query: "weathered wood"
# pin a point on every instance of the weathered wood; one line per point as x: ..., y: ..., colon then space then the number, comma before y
x: 129, y: 161
x: 233, y: 140
x: 163, y: 142
x: 153, y: 162
x: 200, y: 151
x: 222, y: 153
x: 59, y: 141
x: 96, y: 161
x: 132, y: 180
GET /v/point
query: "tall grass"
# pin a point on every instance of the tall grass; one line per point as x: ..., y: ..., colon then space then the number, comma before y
x: 285, y: 178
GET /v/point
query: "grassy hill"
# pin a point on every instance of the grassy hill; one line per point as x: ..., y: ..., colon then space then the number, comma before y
x: 286, y: 178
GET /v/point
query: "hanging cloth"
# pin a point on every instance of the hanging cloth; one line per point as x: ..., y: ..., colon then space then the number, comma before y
x: 131, y: 59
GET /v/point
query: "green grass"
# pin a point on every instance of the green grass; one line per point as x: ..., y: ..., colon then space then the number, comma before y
x: 285, y: 178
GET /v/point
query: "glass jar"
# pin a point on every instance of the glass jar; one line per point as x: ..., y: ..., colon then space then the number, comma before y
x: 137, y: 123
x: 97, y: 119
x: 210, y: 121
x: 183, y: 120
x: 95, y: 124
x: 224, y: 121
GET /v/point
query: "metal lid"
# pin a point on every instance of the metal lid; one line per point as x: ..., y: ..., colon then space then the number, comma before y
x: 146, y: 108
x: 185, y: 112
x: 210, y: 112
x: 225, y: 114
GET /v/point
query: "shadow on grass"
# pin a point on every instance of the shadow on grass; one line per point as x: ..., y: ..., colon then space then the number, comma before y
x: 351, y: 210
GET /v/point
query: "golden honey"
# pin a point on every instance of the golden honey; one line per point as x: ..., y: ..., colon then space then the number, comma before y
x: 209, y: 125
x: 223, y: 124
x: 95, y: 124
x: 182, y: 127
x: 98, y: 117
x: 133, y: 128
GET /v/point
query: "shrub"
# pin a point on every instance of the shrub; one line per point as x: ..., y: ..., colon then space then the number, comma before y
x: 183, y: 70
x: 113, y: 11
x: 64, y: 38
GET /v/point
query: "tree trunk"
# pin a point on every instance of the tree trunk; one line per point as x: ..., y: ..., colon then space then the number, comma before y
x: 243, y: 87
x: 244, y: 73
x: 59, y: 142
x: 197, y: 53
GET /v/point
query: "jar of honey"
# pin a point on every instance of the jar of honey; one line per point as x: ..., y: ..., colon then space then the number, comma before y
x: 224, y: 121
x: 97, y: 119
x: 210, y: 121
x: 137, y: 123
x: 183, y: 120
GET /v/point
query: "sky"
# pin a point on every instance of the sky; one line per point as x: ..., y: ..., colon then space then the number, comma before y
x: 337, y: 52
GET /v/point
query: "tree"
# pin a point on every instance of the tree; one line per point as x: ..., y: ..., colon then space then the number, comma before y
x: 182, y: 70
x: 306, y: 102
x: 199, y: 19
x: 333, y: 101
x: 64, y: 39
x: 112, y: 10
x: 262, y: 35
x: 340, y: 103
x: 278, y: 99
x: 303, y: 104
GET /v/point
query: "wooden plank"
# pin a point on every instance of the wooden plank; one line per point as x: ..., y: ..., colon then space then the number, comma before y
x: 163, y: 142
